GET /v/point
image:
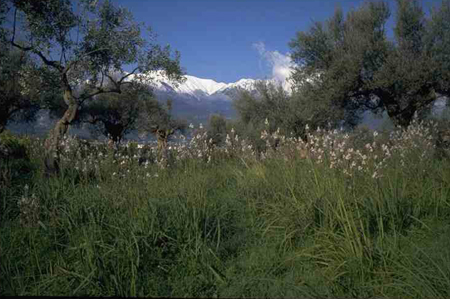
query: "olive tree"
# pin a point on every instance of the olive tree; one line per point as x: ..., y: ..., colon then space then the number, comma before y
x: 353, y: 64
x: 19, y: 92
x: 112, y: 114
x: 270, y: 107
x: 87, y: 45
x: 267, y: 101
x: 158, y: 120
x: 217, y: 129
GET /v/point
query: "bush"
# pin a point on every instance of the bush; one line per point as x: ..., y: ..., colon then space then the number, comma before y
x: 217, y: 129
x: 13, y: 147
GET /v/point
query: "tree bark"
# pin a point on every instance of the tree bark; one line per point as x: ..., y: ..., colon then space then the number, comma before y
x: 162, y: 135
x: 53, y: 142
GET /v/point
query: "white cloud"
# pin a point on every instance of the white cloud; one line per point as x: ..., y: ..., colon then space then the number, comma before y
x: 281, y: 64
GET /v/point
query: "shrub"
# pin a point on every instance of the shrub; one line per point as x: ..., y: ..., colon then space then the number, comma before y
x: 13, y: 147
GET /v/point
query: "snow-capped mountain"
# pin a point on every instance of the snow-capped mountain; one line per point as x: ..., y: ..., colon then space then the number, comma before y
x: 230, y: 91
x: 193, y: 86
x: 202, y: 89
x: 198, y: 88
x: 198, y: 97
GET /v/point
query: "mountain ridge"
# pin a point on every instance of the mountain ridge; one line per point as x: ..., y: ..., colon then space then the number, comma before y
x: 198, y: 88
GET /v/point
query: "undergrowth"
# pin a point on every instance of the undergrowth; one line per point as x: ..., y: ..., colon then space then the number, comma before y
x: 340, y: 214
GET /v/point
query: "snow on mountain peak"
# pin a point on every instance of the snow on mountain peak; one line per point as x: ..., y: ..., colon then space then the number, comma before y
x: 206, y: 85
x: 200, y: 88
x: 247, y: 84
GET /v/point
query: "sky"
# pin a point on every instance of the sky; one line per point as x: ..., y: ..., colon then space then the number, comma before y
x: 227, y: 40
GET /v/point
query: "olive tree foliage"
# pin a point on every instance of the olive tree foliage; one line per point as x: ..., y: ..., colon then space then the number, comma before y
x: 217, y: 129
x: 112, y: 114
x: 18, y: 81
x: 19, y: 96
x: 270, y: 107
x: 437, y: 43
x: 267, y: 102
x: 157, y: 119
x: 348, y: 65
x: 87, y: 45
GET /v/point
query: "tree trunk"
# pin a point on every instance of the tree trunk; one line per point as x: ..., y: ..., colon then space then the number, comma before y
x: 115, y: 131
x: 400, y: 117
x: 53, y: 142
x: 162, y: 135
x: 402, y: 112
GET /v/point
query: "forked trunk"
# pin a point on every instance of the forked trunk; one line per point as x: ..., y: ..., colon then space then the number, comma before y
x: 53, y: 141
x: 400, y: 117
x: 403, y: 114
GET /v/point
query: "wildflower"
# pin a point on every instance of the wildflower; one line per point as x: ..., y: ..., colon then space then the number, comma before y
x: 375, y: 134
x: 264, y: 134
x: 191, y: 126
x: 201, y: 126
x: 266, y: 122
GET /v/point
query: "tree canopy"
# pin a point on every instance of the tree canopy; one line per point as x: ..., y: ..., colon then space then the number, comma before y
x: 92, y: 44
x: 112, y: 114
x: 19, y: 82
x: 18, y: 79
x: 349, y: 63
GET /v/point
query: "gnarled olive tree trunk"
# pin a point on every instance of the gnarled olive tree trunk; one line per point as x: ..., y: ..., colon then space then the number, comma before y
x: 162, y: 136
x: 53, y: 142
x: 115, y: 131
x: 403, y: 114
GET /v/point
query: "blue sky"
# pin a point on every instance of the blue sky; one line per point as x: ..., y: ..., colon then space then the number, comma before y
x: 227, y: 40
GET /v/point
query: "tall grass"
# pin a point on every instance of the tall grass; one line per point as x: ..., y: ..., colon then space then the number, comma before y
x: 342, y: 214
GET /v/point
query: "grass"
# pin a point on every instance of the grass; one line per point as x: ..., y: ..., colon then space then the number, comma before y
x: 232, y: 227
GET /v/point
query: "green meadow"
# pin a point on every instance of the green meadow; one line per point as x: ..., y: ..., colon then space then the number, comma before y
x: 344, y: 214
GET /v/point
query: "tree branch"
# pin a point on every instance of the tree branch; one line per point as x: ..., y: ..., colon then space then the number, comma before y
x: 124, y: 77
x: 74, y: 62
x: 51, y: 63
x: 14, y: 35
x: 99, y: 91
